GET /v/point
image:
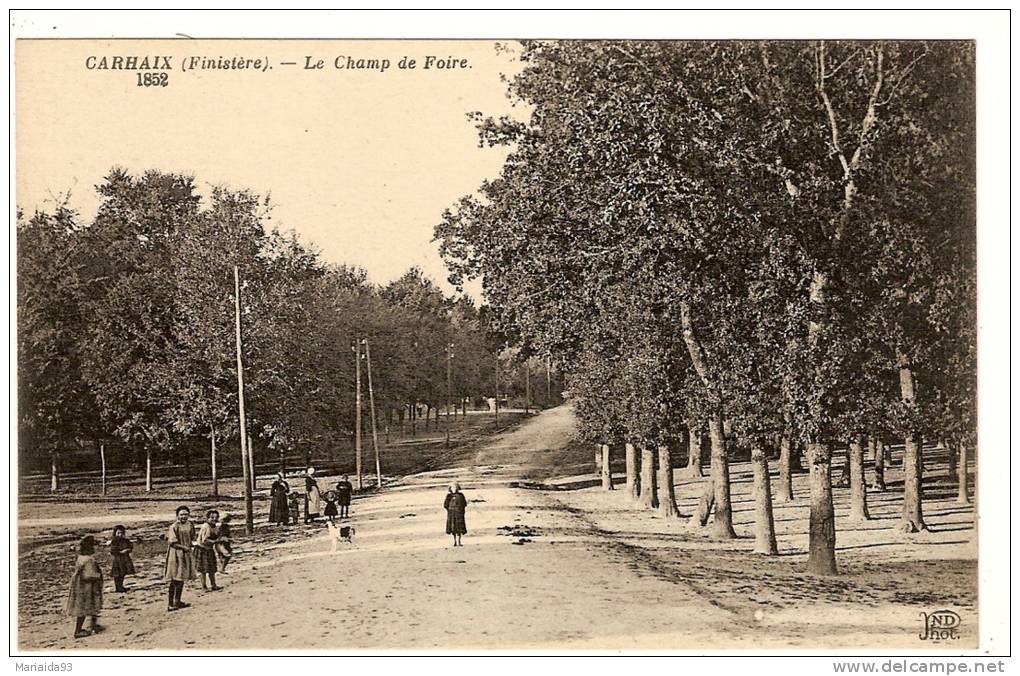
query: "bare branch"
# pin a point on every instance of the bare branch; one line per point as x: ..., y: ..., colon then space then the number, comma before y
x: 831, y: 114
x: 696, y: 351
x: 904, y: 74
x: 845, y: 61
x: 870, y: 117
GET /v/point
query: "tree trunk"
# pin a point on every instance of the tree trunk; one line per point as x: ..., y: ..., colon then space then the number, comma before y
x: 705, y: 504
x: 695, y: 450
x: 878, y: 466
x: 148, y: 469
x: 649, y: 492
x: 953, y: 457
x: 212, y: 459
x: 796, y: 459
x: 598, y: 460
x: 858, y: 491
x: 664, y: 479
x: 607, y: 469
x: 844, y: 474
x: 764, y: 525
x: 54, y: 473
x: 913, y: 467
x: 962, y: 497
x: 102, y: 464
x: 821, y: 524
x: 723, y: 523
x: 784, y: 492
x: 913, y: 519
x: 633, y: 480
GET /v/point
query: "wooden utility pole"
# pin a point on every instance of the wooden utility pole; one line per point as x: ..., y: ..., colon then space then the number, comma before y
x: 102, y: 462
x: 527, y: 386
x: 548, y: 380
x: 251, y: 462
x: 449, y: 395
x: 249, y: 517
x: 371, y: 410
x: 357, y: 413
x: 212, y: 457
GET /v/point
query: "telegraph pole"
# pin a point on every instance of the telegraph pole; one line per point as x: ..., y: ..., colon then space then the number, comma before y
x: 249, y: 517
x: 449, y: 371
x: 527, y: 386
x: 212, y: 457
x: 102, y: 461
x: 371, y: 408
x: 548, y: 380
x: 251, y: 461
x: 357, y: 413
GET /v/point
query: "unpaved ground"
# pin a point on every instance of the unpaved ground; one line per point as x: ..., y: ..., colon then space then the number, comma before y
x: 545, y: 569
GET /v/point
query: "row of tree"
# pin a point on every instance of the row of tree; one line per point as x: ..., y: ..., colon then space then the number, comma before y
x: 771, y: 238
x: 126, y: 330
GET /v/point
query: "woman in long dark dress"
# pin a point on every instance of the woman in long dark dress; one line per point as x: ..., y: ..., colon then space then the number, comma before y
x: 455, y: 505
x: 278, y: 510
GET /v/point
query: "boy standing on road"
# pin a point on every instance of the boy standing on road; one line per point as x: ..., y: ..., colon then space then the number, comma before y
x: 344, y: 489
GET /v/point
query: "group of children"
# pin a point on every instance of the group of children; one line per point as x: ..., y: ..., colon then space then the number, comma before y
x: 189, y: 555
x: 284, y: 504
x: 341, y: 496
x: 191, y: 552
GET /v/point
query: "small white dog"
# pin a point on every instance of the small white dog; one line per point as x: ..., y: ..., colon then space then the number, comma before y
x: 339, y: 534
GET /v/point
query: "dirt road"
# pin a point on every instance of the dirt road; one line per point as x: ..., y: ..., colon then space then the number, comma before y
x: 539, y: 569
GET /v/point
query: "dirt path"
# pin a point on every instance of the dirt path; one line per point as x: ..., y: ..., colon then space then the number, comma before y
x: 539, y: 569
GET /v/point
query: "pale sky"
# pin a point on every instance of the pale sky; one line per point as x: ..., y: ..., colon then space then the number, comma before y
x: 359, y: 162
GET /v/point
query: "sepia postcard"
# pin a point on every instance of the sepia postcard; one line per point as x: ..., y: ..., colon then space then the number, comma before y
x: 578, y: 343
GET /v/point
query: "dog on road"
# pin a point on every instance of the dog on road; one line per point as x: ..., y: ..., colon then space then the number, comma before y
x: 338, y: 534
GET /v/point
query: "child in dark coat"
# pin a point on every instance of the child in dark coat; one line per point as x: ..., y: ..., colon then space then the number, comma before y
x: 224, y: 547
x: 295, y: 508
x: 85, y: 596
x: 344, y: 489
x: 331, y: 510
x: 120, y: 552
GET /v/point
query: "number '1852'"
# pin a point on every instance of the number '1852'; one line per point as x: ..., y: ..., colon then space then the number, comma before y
x: 152, y: 79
